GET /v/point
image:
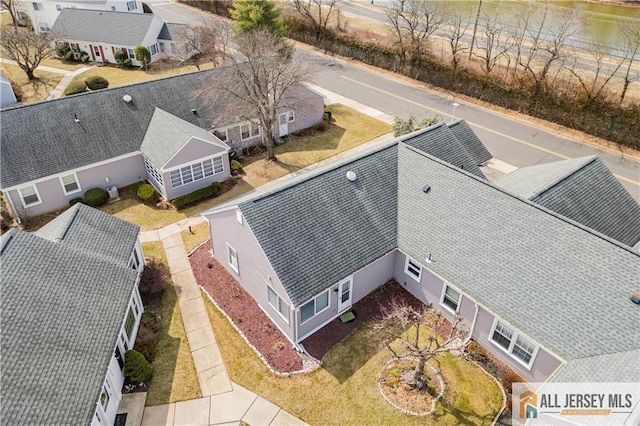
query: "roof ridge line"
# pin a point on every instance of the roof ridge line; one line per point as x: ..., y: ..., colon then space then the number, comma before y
x: 529, y: 202
x: 587, y: 160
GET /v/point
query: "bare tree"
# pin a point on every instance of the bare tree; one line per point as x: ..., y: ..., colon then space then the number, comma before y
x: 318, y: 12
x: 631, y: 36
x: 593, y: 82
x: 26, y: 47
x: 547, y: 36
x: 493, y: 43
x: 459, y: 27
x: 419, y: 332
x: 203, y: 42
x: 10, y: 5
x: 414, y: 22
x: 262, y: 81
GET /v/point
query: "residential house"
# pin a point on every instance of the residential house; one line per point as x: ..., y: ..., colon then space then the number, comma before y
x: 542, y: 292
x: 43, y: 13
x: 70, y: 311
x: 52, y: 152
x: 102, y: 33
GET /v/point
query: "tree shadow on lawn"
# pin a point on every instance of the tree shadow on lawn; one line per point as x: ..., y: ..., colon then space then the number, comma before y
x: 313, y: 140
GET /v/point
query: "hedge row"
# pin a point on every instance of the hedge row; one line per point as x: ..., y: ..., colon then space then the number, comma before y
x: 196, y: 196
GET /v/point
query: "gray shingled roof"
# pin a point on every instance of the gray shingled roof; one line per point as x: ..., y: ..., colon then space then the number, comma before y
x: 167, y: 134
x: 560, y: 283
x: 335, y: 241
x: 100, y: 26
x: 582, y: 189
x: 471, y: 142
x: 42, y: 139
x: 599, y: 368
x: 92, y: 232
x: 62, y: 309
x: 171, y: 31
x: 440, y: 141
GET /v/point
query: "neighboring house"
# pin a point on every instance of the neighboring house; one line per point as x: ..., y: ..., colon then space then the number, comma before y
x: 582, y: 189
x: 101, y: 34
x: 70, y: 311
x: 43, y: 13
x: 541, y: 292
x: 52, y: 152
x: 7, y: 97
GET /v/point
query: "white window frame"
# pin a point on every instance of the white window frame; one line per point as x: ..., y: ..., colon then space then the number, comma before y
x: 132, y: 5
x: 232, y: 260
x: 37, y: 193
x: 153, y: 49
x: 37, y: 6
x: 515, y: 335
x: 409, y: 261
x: 291, y: 116
x: 44, y: 27
x: 251, y: 129
x: 224, y: 131
x: 280, y: 303
x: 444, y: 296
x: 76, y: 181
x: 58, y: 7
x: 153, y: 171
x: 216, y: 161
x: 131, y: 54
x: 316, y: 312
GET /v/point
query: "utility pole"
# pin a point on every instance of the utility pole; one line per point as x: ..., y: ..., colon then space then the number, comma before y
x: 475, y: 28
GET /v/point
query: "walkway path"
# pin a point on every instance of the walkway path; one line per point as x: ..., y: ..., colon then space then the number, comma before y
x: 223, y: 402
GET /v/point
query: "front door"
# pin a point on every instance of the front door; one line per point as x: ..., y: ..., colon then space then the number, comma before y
x: 283, y: 124
x: 344, y: 294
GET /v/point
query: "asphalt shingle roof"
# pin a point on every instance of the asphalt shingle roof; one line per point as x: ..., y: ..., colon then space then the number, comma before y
x: 582, y: 189
x: 470, y: 141
x: 171, y: 31
x: 441, y: 142
x: 62, y: 309
x: 336, y: 241
x: 599, y: 368
x: 42, y: 139
x: 167, y: 134
x: 100, y: 26
x: 560, y: 283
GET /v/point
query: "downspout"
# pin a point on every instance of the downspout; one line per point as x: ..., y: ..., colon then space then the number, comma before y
x: 295, y: 329
x: 473, y: 325
x: 13, y: 208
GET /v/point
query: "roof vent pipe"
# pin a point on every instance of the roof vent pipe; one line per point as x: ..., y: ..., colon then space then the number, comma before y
x: 127, y: 98
x: 426, y: 189
x: 75, y: 118
x: 351, y: 175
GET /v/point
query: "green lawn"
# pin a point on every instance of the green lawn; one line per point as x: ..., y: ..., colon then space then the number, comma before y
x: 345, y: 391
x: 200, y: 233
x: 351, y: 128
x: 174, y: 375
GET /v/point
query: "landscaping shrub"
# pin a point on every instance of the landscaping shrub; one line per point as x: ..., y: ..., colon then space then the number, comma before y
x: 119, y: 56
x: 75, y: 87
x: 95, y: 197
x: 75, y: 201
x: 196, y: 196
x: 508, y: 379
x: 153, y: 280
x: 127, y: 63
x: 69, y: 56
x: 136, y: 367
x: 95, y: 82
x: 237, y: 166
x: 147, y: 339
x: 62, y: 50
x: 147, y: 193
x: 84, y: 58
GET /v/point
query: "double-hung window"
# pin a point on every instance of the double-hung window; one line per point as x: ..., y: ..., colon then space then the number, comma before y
x: 153, y: 49
x: 29, y: 195
x: 70, y: 184
x: 451, y: 298
x: 278, y: 304
x: 314, y: 306
x: 413, y: 269
x: 232, y: 258
x: 195, y: 171
x: 518, y: 346
x: 37, y: 6
x: 131, y: 5
x: 249, y: 130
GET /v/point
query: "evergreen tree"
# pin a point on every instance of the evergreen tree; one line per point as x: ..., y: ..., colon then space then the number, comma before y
x: 252, y: 15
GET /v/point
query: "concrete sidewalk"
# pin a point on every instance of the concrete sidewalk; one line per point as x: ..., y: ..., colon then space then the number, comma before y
x: 223, y: 401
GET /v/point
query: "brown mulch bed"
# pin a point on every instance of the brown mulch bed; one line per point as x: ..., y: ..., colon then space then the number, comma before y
x: 367, y: 309
x: 244, y: 311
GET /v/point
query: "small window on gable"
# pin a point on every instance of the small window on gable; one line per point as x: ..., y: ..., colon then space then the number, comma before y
x: 232, y: 258
x: 239, y: 216
x: 451, y: 298
x: 291, y: 116
x: 413, y: 269
x: 113, y: 8
x: 221, y: 134
x: 58, y: 7
x: 37, y: 6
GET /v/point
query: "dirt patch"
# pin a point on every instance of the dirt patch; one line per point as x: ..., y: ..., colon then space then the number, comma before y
x: 244, y: 311
x: 401, y: 395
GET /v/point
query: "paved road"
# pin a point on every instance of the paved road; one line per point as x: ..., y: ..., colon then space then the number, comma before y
x: 509, y: 140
